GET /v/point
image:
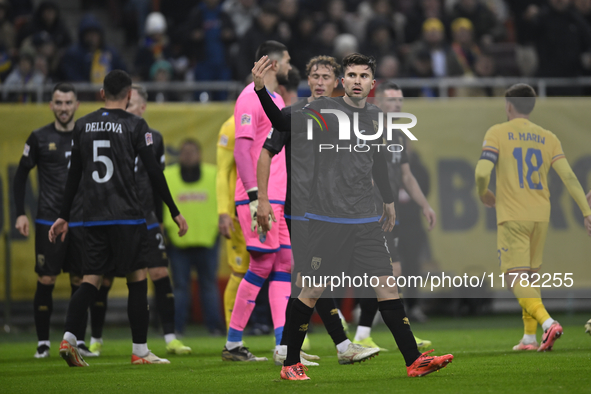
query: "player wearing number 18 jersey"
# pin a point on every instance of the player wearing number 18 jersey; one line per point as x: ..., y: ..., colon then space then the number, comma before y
x: 522, y: 153
x: 105, y: 145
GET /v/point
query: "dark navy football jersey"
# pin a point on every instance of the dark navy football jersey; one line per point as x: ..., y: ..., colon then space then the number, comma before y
x: 50, y: 150
x: 299, y: 163
x: 142, y: 180
x: 395, y: 161
x: 342, y: 189
x: 108, y: 141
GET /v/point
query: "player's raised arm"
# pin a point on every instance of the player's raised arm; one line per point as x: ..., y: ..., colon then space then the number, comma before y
x: 575, y: 189
x: 380, y: 177
x: 159, y: 184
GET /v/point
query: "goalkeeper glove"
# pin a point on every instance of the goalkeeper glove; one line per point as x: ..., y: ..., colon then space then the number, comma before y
x: 254, y: 206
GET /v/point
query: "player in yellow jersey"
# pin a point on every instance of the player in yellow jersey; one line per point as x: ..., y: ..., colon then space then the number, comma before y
x: 522, y: 154
x: 238, y: 257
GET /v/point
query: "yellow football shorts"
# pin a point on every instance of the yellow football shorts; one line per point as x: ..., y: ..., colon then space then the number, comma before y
x: 520, y: 245
x: 238, y: 257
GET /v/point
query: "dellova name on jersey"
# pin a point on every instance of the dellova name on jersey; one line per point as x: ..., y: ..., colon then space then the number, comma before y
x: 103, y: 126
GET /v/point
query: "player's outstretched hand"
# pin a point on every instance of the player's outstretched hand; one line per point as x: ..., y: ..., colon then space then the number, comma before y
x: 488, y: 199
x: 265, y: 216
x: 388, y: 217
x: 589, y: 198
x: 226, y: 225
x: 22, y: 225
x: 259, y: 70
x: 182, y: 223
x: 588, y: 224
x: 431, y: 216
x: 59, y: 227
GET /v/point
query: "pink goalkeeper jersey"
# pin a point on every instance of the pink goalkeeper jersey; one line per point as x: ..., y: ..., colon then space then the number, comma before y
x: 251, y: 122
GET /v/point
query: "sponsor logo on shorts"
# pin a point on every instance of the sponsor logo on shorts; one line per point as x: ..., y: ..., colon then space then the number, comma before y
x: 304, y: 327
x: 27, y: 150
x: 41, y: 260
x: 149, y: 140
x: 316, y: 261
x: 52, y: 146
x: 245, y: 119
x: 334, y: 311
x: 405, y: 320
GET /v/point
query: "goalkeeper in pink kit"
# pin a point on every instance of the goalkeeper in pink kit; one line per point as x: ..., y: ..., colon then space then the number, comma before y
x: 270, y: 253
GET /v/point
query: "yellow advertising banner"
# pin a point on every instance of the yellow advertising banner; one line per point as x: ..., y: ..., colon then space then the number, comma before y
x: 450, y: 133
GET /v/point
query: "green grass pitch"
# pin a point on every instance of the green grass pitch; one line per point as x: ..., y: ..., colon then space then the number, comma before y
x: 483, y: 363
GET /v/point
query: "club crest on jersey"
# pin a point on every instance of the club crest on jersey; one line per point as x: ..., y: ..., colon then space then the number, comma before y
x: 316, y: 261
x: 104, y: 114
x: 26, y: 150
x: 245, y: 120
x: 149, y: 140
x: 52, y: 146
x: 376, y: 126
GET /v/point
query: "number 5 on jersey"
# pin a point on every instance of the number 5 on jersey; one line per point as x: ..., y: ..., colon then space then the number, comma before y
x: 103, y: 159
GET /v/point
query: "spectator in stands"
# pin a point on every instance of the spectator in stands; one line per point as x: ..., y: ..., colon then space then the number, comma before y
x: 154, y: 46
x: 47, y: 19
x: 388, y: 67
x: 48, y: 56
x: 487, y: 28
x: 303, y: 44
x: 162, y: 71
x: 90, y: 59
x: 289, y: 15
x: 562, y: 39
x: 584, y: 9
x: 421, y: 67
x: 380, y: 39
x: 242, y: 13
x: 444, y: 62
x: 7, y: 34
x: 423, y: 10
x: 326, y: 38
x: 193, y: 186
x: 463, y: 46
x: 263, y: 29
x: 21, y: 9
x: 23, y: 76
x: 209, y: 32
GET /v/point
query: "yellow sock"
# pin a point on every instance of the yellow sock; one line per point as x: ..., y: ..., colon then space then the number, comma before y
x: 230, y: 297
x: 530, y: 325
x: 535, y: 309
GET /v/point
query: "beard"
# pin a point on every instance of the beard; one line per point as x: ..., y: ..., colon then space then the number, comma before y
x: 63, y: 124
x: 282, y: 79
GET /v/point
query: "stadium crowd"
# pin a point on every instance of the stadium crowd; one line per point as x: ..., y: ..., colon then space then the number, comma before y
x: 208, y: 40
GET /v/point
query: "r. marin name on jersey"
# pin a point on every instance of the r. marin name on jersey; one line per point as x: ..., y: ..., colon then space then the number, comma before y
x: 104, y: 126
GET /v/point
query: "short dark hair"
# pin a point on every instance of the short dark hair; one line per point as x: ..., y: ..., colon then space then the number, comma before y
x: 293, y: 80
x: 64, y: 87
x: 270, y: 48
x: 388, y: 85
x: 191, y: 141
x: 327, y: 61
x: 522, y: 96
x: 357, y: 59
x: 141, y: 91
x: 117, y: 84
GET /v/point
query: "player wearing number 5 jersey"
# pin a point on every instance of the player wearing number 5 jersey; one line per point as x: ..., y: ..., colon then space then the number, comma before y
x: 522, y: 154
x: 105, y: 145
